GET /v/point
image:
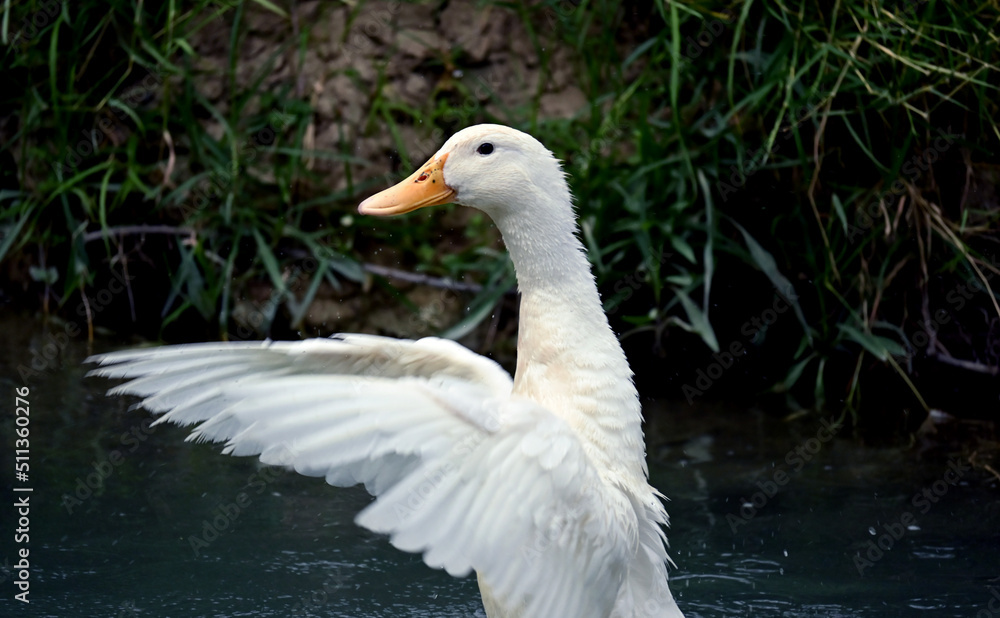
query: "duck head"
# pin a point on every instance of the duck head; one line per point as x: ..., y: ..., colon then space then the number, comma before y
x: 493, y: 168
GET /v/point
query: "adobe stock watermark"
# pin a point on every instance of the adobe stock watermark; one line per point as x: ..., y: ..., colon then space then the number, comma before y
x: 225, y: 514
x: 544, y: 538
x: 927, y: 329
x: 372, y: 25
x: 93, y: 483
x: 962, y: 293
x: 992, y: 609
x: 795, y: 459
x: 107, y: 125
x: 753, y: 329
x: 321, y: 596
x: 908, y: 6
x: 255, y: 321
x: 563, y: 9
x: 419, y: 495
x: 712, y: 29
x: 865, y: 217
x: 46, y: 356
x: 220, y: 179
x: 483, y: 88
x: 127, y: 609
x: 739, y: 174
x: 600, y: 146
x: 893, y: 531
x: 652, y: 607
x: 708, y: 35
x: 33, y: 24
x: 628, y: 285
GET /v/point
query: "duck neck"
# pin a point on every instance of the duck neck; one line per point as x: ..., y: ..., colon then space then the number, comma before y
x: 568, y: 358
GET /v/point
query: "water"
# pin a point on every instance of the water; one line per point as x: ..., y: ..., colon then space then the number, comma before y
x: 175, y: 529
x: 796, y: 553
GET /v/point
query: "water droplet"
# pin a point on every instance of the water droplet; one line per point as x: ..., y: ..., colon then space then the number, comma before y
x: 871, y: 530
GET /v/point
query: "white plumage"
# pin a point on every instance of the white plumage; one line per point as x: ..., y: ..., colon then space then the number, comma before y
x: 538, y: 484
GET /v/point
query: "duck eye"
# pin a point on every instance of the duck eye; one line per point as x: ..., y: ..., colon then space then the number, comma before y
x: 485, y: 149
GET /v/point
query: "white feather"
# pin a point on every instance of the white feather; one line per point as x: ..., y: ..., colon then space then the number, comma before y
x: 538, y: 484
x: 481, y: 486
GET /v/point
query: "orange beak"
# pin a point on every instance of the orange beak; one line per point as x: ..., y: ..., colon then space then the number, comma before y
x: 425, y: 187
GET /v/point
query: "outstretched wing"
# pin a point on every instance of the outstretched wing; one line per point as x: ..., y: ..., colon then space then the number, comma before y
x: 464, y: 473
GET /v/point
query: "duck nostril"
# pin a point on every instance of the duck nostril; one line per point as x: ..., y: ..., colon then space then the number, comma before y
x: 422, y: 177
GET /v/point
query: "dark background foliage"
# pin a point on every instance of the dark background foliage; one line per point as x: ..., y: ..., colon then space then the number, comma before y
x: 792, y: 204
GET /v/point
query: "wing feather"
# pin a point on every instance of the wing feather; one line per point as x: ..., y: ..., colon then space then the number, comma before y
x: 464, y: 473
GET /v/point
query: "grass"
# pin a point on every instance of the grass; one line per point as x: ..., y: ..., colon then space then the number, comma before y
x: 728, y: 152
x: 833, y: 131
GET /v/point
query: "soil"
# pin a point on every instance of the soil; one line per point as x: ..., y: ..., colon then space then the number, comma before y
x: 404, y: 53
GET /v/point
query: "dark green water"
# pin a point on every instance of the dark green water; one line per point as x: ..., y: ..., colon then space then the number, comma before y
x: 270, y: 543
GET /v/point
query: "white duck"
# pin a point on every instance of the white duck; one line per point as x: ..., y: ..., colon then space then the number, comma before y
x: 538, y: 484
